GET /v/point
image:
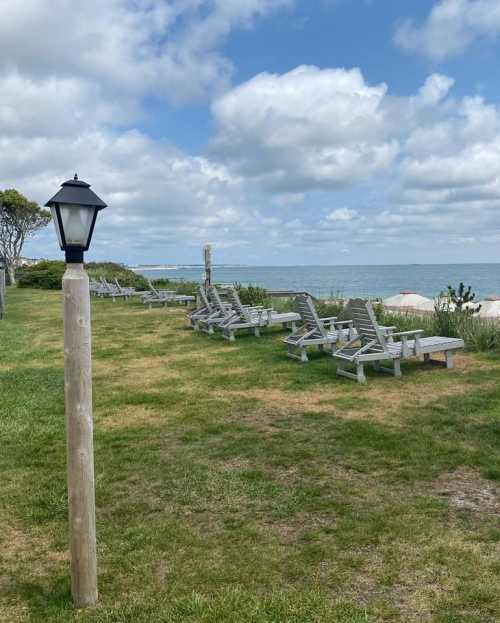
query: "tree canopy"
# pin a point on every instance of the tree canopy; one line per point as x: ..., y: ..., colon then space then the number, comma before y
x: 19, y: 219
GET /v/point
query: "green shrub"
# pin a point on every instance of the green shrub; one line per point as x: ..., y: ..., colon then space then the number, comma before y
x: 181, y: 287
x: 46, y: 275
x: 111, y: 271
x: 253, y: 295
x: 479, y: 334
x: 329, y: 310
x: 409, y: 322
x: 446, y: 319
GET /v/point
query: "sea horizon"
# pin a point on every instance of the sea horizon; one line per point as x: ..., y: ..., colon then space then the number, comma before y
x: 236, y: 265
x: 327, y: 281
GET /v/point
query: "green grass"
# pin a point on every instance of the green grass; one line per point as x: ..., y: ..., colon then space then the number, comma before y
x: 234, y: 485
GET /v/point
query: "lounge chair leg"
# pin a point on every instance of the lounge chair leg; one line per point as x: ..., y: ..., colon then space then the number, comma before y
x: 321, y: 348
x: 294, y: 326
x: 427, y: 358
x: 210, y: 330
x: 360, y: 372
x: 397, y: 367
x: 303, y: 355
x: 256, y: 332
x: 231, y: 336
x: 341, y: 371
x: 334, y: 348
x: 450, y: 355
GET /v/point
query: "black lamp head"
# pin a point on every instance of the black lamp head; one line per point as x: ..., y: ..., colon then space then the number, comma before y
x: 74, y: 210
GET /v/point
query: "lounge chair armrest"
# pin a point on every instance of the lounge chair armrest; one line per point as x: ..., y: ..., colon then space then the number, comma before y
x: 347, y: 322
x: 261, y: 311
x: 408, y: 333
x: 329, y: 319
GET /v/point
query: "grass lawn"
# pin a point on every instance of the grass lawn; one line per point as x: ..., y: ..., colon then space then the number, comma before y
x: 235, y: 485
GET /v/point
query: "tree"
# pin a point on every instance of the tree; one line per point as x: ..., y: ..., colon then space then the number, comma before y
x: 463, y: 299
x: 19, y: 219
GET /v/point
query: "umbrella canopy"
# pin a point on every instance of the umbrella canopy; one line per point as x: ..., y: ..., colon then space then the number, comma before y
x: 490, y: 307
x: 409, y: 300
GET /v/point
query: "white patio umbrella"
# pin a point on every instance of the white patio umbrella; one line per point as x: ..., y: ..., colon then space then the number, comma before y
x: 490, y: 307
x: 409, y: 300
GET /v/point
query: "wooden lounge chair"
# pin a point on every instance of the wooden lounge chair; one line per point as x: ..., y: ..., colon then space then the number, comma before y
x: 96, y: 288
x: 124, y: 291
x: 111, y: 290
x: 163, y: 297
x: 316, y: 331
x: 204, y: 309
x: 375, y: 346
x: 253, y: 318
x: 222, y: 312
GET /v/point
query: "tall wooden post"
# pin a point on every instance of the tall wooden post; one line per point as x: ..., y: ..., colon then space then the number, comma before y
x: 79, y: 435
x: 3, y: 291
x: 207, y: 258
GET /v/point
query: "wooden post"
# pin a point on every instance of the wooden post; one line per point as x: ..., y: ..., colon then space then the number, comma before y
x: 207, y: 258
x: 79, y: 435
x: 3, y: 291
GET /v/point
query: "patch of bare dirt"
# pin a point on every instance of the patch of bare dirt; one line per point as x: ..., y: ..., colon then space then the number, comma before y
x: 467, y: 363
x: 23, y: 556
x: 134, y: 416
x: 237, y: 463
x: 466, y: 490
x: 380, y: 403
x: 294, y: 528
x: 143, y: 372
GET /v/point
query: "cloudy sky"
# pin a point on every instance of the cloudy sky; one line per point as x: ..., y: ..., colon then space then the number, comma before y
x: 280, y: 131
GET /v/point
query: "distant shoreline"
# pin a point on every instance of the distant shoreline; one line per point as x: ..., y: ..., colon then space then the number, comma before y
x: 182, y: 266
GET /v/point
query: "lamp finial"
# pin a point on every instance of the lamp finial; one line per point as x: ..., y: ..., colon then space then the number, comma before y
x: 76, y: 177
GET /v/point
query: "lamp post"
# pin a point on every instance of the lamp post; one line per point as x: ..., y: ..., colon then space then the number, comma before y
x: 74, y: 210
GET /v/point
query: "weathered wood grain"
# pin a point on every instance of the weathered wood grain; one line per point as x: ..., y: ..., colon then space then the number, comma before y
x: 79, y: 435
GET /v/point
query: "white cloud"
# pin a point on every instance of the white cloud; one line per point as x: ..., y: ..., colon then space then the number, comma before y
x: 286, y: 147
x: 342, y: 214
x: 434, y: 90
x: 73, y: 104
x: 169, y: 47
x: 304, y: 129
x: 455, y: 159
x: 70, y: 92
x: 450, y: 28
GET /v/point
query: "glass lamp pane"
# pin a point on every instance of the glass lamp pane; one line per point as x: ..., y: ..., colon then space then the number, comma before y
x: 77, y: 221
x: 56, y: 225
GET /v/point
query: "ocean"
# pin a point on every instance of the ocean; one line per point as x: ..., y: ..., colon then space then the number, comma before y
x: 329, y: 281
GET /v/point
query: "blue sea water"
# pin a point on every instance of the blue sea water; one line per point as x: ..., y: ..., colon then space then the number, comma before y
x: 326, y: 281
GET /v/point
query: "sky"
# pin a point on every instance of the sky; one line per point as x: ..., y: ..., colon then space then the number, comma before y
x: 283, y: 132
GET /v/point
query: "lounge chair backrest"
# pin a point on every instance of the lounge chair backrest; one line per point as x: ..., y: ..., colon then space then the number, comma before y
x: 106, y: 284
x: 309, y: 315
x: 365, y: 323
x: 214, y: 295
x: 152, y: 288
x: 235, y: 301
x: 204, y: 300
